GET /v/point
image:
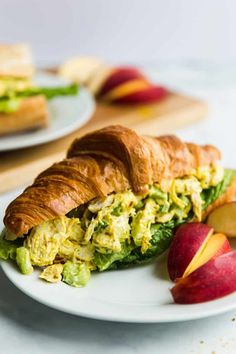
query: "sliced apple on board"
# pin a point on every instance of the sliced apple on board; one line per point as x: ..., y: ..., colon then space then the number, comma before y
x: 119, y: 76
x: 126, y: 88
x: 213, y: 280
x: 192, y: 246
x: 128, y: 85
x: 223, y: 219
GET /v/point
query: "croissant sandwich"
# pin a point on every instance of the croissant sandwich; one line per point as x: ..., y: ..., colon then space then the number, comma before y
x: 114, y: 201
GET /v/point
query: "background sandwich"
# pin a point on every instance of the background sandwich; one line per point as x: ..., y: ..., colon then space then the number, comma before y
x: 23, y: 105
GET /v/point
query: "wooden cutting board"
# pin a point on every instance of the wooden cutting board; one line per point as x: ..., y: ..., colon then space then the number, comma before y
x: 175, y: 111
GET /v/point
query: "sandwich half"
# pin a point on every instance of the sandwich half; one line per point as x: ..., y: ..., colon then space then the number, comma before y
x: 113, y: 202
x: 17, y: 113
x: 23, y: 104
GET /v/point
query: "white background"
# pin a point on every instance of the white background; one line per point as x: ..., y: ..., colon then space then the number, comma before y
x: 123, y: 30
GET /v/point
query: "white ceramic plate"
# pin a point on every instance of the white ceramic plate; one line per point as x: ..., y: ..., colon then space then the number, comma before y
x: 139, y: 294
x: 67, y: 113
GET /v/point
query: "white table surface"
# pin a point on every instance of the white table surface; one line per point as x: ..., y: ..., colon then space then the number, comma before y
x: 31, y: 328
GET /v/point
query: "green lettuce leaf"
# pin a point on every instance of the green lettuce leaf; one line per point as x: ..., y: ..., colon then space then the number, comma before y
x: 7, y: 248
x: 161, y: 239
x: 10, y: 103
x: 50, y: 92
x: 211, y: 194
x: 106, y: 261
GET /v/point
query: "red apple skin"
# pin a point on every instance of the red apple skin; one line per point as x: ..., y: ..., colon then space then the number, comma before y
x: 185, y: 244
x: 213, y: 280
x: 149, y: 95
x: 119, y: 76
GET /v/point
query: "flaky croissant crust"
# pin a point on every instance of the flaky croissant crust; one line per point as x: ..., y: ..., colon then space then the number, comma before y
x: 112, y: 159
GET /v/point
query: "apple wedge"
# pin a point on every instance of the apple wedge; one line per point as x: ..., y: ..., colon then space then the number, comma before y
x: 223, y: 219
x: 119, y: 76
x: 213, y: 280
x: 215, y: 246
x: 188, y: 243
x: 126, y: 89
x: 150, y: 94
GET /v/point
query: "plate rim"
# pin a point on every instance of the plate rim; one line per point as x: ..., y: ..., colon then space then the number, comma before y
x: 187, y: 316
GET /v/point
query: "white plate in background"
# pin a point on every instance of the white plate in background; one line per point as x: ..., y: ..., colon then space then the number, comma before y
x: 67, y: 113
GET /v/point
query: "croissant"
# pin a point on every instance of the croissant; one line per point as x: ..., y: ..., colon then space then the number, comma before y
x: 112, y: 159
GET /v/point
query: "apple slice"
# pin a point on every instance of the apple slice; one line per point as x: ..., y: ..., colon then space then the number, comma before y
x: 215, y: 246
x: 213, y: 280
x: 223, y: 219
x: 148, y: 95
x: 188, y: 243
x: 126, y: 89
x: 119, y: 76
